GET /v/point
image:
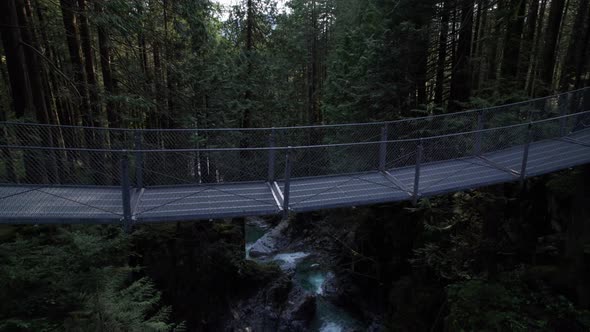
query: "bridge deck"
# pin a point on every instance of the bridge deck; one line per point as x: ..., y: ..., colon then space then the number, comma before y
x: 48, y: 204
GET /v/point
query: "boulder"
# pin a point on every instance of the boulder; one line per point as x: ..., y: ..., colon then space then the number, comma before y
x: 271, y: 242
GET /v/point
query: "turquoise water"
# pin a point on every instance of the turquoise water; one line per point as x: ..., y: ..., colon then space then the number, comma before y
x: 311, y: 277
x: 329, y: 318
x: 253, y: 233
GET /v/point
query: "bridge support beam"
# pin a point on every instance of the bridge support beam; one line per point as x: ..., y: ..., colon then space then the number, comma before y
x: 562, y: 104
x: 287, y: 186
x: 126, y: 194
x: 580, y: 119
x: 525, y: 156
x: 419, y: 153
x: 479, y: 133
x: 138, y: 161
x: 383, y: 148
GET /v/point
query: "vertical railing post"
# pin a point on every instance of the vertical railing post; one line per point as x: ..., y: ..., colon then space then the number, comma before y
x: 525, y: 156
x: 271, y: 156
x: 419, y: 153
x: 383, y: 148
x: 287, y: 186
x: 562, y: 104
x: 585, y: 107
x: 125, y: 191
x: 138, y: 160
x: 479, y: 132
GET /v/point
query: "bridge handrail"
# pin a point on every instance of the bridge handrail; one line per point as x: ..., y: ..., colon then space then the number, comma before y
x: 299, y: 147
x: 377, y: 123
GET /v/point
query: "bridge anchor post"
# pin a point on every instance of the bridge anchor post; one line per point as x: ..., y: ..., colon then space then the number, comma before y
x: 126, y: 195
x: 419, y: 154
x: 287, y: 187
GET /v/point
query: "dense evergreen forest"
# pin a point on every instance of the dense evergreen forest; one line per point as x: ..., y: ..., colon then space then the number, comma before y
x: 146, y: 64
x: 496, y: 259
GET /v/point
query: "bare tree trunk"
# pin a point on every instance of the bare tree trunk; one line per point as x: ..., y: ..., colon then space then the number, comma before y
x: 482, y: 49
x: 15, y: 59
x: 461, y: 82
x: 72, y: 38
x: 89, y: 63
x: 113, y: 117
x: 442, y: 54
x: 34, y: 72
x: 581, y: 61
x: 577, y: 48
x: 551, y: 36
x: 9, y: 171
x: 513, y: 40
x: 529, y: 40
x: 247, y: 117
x: 537, y: 49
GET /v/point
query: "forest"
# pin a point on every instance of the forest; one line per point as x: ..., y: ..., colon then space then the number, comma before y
x: 495, y: 259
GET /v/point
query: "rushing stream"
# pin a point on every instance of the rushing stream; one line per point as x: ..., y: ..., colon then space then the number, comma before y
x: 311, y: 276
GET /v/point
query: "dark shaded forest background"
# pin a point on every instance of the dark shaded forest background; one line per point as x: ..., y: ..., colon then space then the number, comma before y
x: 497, y: 259
x: 171, y: 64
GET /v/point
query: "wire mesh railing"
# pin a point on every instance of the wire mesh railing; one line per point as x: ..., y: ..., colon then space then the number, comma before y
x: 22, y: 164
x: 28, y: 134
x: 134, y: 161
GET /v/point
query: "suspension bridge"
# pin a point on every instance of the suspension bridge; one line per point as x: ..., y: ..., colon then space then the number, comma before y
x: 73, y: 174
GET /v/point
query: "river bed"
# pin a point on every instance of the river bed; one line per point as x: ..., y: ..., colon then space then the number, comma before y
x: 311, y: 276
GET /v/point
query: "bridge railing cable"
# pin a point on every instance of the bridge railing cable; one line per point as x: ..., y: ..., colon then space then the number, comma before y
x: 68, y: 136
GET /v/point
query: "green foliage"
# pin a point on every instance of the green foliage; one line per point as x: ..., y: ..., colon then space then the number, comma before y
x: 452, y: 234
x: 47, y: 274
x: 508, y: 305
x: 117, y: 306
x: 483, y: 306
x: 565, y: 184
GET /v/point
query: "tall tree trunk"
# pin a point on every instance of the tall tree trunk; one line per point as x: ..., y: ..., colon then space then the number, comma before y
x: 247, y: 116
x: 9, y: 171
x: 89, y: 63
x: 513, y: 40
x: 551, y: 36
x: 537, y: 49
x: 104, y: 47
x: 577, y: 47
x: 442, y: 54
x: 313, y: 100
x: 68, y: 8
x: 41, y: 41
x: 461, y: 82
x: 15, y: 60
x: 529, y: 40
x: 482, y: 49
x: 160, y: 100
x: 35, y: 69
x: 476, y: 47
x: 45, y: 167
x: 581, y: 61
